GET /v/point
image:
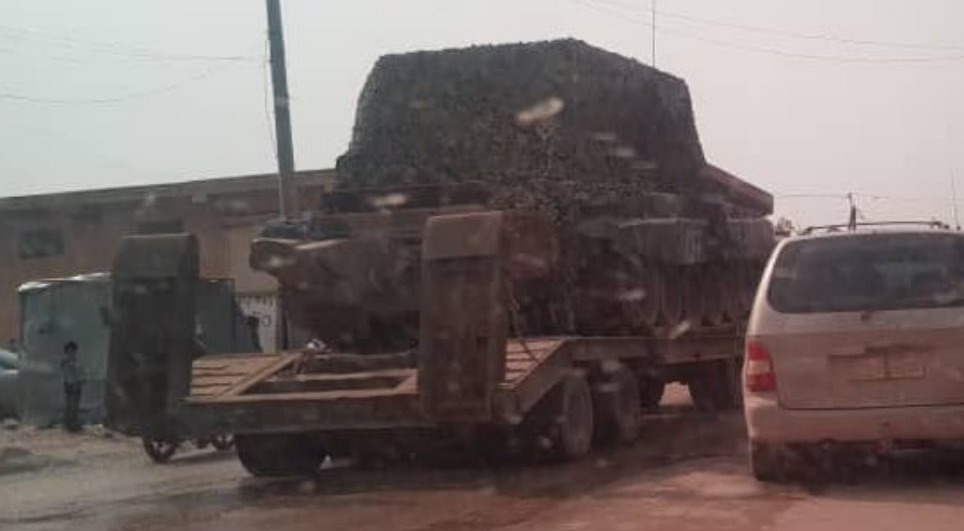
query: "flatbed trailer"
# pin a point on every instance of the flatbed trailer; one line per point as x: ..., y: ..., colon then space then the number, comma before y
x: 341, y: 403
x: 267, y: 394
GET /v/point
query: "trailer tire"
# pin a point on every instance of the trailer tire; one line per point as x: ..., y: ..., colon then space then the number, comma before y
x: 278, y: 455
x: 222, y: 442
x: 616, y: 407
x: 651, y: 391
x: 561, y: 424
x: 159, y: 450
x: 714, y: 386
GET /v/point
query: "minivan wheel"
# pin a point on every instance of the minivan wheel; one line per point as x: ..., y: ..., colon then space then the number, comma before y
x: 766, y: 464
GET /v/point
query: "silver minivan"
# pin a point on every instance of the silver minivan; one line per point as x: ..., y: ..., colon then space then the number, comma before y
x: 856, y: 339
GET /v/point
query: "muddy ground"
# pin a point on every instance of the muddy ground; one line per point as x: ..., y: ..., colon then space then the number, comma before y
x: 688, y: 473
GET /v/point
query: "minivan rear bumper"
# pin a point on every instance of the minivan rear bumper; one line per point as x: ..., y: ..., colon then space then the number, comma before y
x: 768, y: 422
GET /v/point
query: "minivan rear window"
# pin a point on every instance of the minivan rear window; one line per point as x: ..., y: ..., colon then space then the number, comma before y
x: 869, y: 272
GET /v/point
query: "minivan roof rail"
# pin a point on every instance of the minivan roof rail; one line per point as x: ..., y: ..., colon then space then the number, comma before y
x: 852, y: 227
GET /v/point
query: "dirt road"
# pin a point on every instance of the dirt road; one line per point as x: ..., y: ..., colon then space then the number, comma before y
x: 689, y: 474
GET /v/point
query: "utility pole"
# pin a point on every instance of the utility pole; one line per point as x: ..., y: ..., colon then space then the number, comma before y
x: 287, y: 191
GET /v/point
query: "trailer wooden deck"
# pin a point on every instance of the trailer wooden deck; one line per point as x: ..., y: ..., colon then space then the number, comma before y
x: 224, y: 379
x: 296, y: 391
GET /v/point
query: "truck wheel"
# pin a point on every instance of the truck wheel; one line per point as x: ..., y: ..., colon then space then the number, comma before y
x: 713, y: 386
x: 159, y: 450
x: 561, y: 424
x: 278, y: 455
x: 616, y: 408
x: 766, y: 464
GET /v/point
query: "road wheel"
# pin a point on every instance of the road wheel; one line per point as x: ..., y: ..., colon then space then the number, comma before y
x: 693, y: 296
x: 743, y: 285
x: 222, y: 442
x: 731, y: 291
x: 715, y: 385
x: 714, y: 293
x: 560, y: 426
x: 159, y: 450
x: 638, y: 289
x: 671, y: 302
x: 278, y: 455
x: 616, y: 409
x: 766, y: 463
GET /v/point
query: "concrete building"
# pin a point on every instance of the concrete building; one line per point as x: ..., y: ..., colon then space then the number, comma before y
x: 65, y: 234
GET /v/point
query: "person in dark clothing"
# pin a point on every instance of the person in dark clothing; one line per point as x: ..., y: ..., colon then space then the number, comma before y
x: 73, y: 385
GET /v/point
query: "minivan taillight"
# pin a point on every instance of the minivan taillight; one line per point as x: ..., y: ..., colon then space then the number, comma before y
x: 759, y: 369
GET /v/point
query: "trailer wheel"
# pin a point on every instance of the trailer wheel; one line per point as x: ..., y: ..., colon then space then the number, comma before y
x: 278, y: 455
x: 651, y: 392
x: 561, y: 424
x: 159, y: 450
x: 715, y: 386
x: 222, y: 442
x: 616, y: 408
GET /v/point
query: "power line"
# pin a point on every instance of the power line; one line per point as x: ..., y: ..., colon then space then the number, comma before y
x: 810, y: 196
x: 200, y: 76
x: 117, y: 49
x: 799, y: 35
x: 771, y: 51
x: 116, y: 99
x: 862, y: 195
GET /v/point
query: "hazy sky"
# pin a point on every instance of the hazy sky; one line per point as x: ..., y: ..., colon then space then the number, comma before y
x: 802, y: 98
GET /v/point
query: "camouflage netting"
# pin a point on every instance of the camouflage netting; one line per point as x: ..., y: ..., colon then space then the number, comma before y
x: 541, y: 121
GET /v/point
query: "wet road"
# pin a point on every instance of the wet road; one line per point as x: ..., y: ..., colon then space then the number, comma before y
x: 689, y: 474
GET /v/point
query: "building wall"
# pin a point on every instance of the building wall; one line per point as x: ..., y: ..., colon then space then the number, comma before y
x: 224, y: 224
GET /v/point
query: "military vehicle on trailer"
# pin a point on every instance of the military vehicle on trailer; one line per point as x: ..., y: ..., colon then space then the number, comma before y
x: 525, y: 246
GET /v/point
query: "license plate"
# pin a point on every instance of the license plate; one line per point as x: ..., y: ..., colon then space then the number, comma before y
x: 866, y: 368
x: 903, y: 366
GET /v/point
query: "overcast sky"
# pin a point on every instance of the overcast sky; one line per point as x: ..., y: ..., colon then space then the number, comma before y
x: 805, y: 99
